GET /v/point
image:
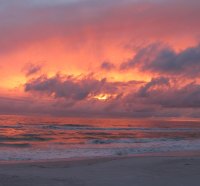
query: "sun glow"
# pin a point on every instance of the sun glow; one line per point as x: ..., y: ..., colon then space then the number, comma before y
x: 102, y: 97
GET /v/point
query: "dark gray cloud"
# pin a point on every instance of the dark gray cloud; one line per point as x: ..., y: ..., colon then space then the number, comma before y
x: 161, y: 59
x: 107, y: 66
x: 31, y: 69
x: 155, y: 82
x: 69, y: 87
x: 163, y: 93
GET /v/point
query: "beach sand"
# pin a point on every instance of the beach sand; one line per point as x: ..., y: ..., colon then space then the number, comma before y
x: 129, y: 171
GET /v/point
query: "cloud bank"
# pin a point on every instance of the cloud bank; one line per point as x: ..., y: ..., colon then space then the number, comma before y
x: 160, y: 59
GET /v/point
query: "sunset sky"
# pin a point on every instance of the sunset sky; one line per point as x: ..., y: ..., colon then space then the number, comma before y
x: 103, y: 58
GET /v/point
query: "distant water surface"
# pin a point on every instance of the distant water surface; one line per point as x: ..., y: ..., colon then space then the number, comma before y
x: 37, y: 138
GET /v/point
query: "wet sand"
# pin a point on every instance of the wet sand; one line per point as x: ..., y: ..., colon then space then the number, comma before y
x: 132, y: 171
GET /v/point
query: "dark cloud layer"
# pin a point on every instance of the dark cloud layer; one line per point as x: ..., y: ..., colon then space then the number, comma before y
x: 162, y: 93
x: 161, y: 59
x: 69, y: 87
x: 72, y: 96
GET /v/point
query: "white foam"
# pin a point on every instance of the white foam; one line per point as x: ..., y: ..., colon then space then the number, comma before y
x: 101, y: 150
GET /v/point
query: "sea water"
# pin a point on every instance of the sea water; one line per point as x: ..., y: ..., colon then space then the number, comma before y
x: 41, y: 138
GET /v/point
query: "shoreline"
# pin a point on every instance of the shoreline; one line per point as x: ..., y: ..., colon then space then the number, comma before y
x: 96, y: 158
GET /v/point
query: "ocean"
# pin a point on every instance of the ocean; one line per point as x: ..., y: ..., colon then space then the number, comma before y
x: 42, y: 138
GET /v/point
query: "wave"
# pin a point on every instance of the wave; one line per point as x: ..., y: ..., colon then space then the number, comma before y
x: 20, y: 145
x: 11, y: 127
x: 165, y: 146
x: 130, y: 140
x: 23, y: 138
x: 89, y: 127
x: 91, y: 151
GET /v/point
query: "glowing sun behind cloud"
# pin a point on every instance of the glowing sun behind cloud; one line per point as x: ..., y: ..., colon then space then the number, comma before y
x: 103, y: 97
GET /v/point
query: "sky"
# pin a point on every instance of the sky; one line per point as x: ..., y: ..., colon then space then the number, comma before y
x: 108, y: 58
